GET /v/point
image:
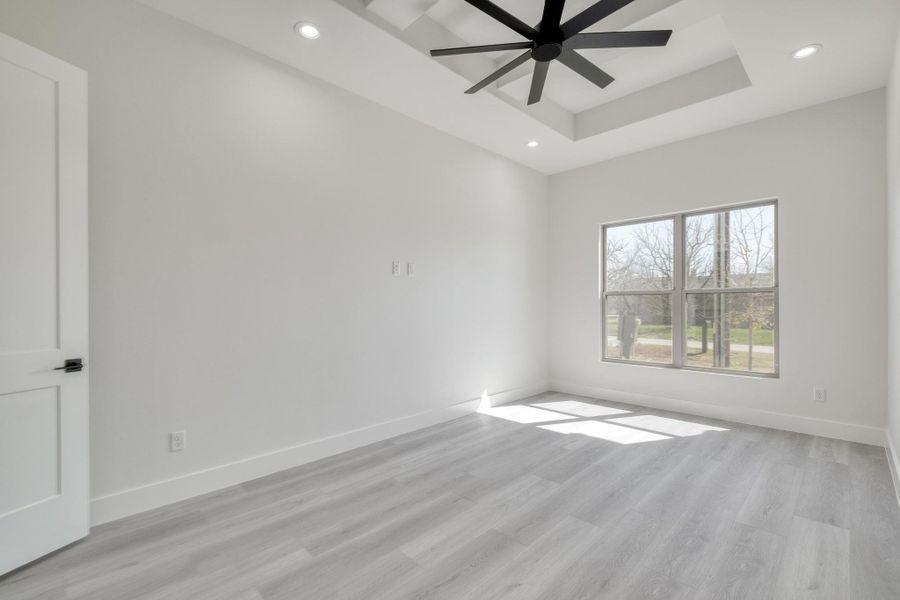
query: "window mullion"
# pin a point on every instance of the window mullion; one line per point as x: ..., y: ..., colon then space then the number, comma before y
x: 677, y: 302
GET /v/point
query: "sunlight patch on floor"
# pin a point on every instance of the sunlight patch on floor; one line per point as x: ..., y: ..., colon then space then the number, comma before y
x: 666, y: 425
x: 606, y: 431
x: 521, y: 413
x: 582, y: 409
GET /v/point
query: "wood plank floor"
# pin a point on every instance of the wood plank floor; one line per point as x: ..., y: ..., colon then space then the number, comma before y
x: 554, y: 498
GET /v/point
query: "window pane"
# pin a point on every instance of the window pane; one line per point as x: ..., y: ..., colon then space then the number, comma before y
x: 732, y: 248
x: 639, y: 257
x: 733, y: 331
x: 639, y: 328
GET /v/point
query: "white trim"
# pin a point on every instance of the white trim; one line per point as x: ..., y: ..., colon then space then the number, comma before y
x: 893, y: 462
x: 850, y: 432
x: 160, y: 493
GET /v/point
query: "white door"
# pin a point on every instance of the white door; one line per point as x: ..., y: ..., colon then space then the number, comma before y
x: 43, y: 304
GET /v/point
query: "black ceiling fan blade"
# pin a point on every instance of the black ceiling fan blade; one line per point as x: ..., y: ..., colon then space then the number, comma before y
x: 586, y: 68
x: 477, y: 49
x: 500, y: 72
x: 620, y: 39
x: 537, y: 81
x: 591, y: 15
x: 553, y: 10
x: 497, y: 13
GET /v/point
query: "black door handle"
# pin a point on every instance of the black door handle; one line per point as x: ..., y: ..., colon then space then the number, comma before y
x: 72, y: 365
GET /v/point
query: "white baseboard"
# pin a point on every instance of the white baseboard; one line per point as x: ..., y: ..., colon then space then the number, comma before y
x: 893, y: 463
x: 160, y: 493
x: 851, y: 432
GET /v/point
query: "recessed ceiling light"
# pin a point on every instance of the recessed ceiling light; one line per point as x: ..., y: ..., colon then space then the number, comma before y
x: 533, y: 144
x: 307, y: 30
x: 807, y: 51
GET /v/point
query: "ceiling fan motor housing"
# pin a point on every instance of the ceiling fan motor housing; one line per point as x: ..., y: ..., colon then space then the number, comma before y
x: 546, y: 52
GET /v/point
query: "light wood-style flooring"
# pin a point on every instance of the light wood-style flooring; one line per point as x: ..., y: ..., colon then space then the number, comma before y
x: 554, y: 498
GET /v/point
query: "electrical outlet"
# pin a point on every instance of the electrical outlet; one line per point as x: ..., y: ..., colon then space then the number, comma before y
x: 410, y: 269
x: 395, y: 268
x: 177, y: 441
x: 819, y: 395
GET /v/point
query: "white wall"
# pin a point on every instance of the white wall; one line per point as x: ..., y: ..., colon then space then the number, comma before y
x: 243, y: 221
x: 893, y: 163
x: 826, y: 164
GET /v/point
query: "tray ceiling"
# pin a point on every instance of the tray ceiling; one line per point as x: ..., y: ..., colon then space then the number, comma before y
x: 728, y: 62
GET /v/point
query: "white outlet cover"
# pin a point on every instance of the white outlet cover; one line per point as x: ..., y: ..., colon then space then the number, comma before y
x: 177, y: 441
x: 395, y: 268
x: 410, y: 269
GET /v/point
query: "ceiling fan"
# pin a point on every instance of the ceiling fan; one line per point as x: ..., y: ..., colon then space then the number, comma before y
x: 553, y: 40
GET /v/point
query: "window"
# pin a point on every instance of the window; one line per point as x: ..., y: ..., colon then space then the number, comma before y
x: 696, y: 290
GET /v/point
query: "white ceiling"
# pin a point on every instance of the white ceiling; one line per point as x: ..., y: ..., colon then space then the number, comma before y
x: 700, y: 39
x: 728, y: 62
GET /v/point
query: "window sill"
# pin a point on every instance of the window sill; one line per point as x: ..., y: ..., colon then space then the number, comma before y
x: 743, y: 374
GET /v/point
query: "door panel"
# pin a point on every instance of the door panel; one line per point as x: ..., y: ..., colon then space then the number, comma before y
x: 28, y: 156
x: 29, y: 430
x: 44, y: 449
